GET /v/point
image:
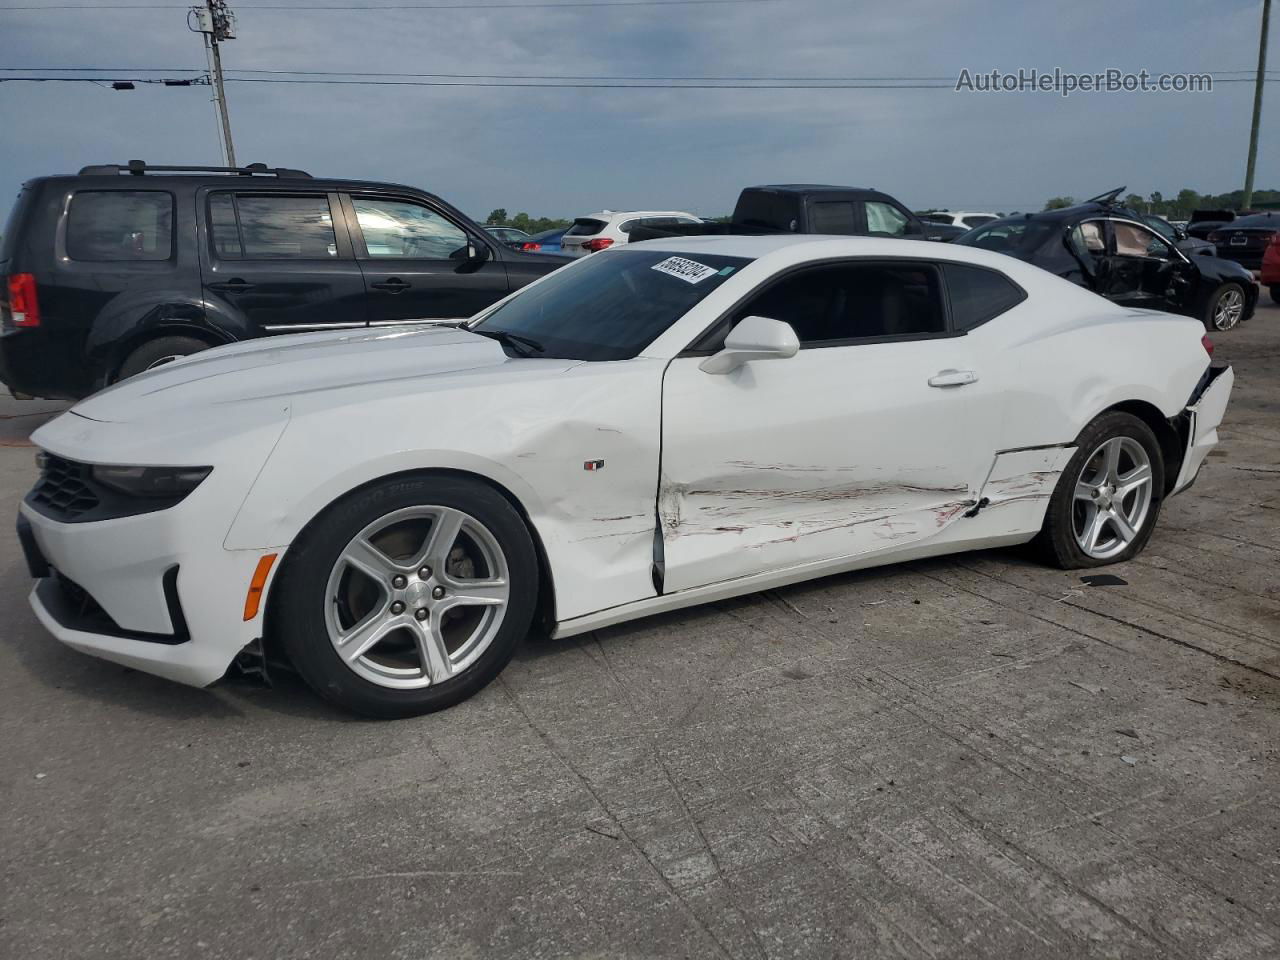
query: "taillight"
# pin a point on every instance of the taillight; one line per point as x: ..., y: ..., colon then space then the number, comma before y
x: 22, y: 300
x: 1207, y: 344
x: 530, y: 246
x: 598, y: 243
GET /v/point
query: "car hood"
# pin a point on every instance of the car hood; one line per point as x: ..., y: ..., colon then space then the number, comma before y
x: 405, y: 358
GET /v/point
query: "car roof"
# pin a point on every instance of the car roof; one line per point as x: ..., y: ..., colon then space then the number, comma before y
x: 811, y: 188
x: 615, y: 214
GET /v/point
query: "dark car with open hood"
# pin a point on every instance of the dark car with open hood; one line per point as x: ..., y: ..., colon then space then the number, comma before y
x: 122, y: 268
x: 1112, y: 251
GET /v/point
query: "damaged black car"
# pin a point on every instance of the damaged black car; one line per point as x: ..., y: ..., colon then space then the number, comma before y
x: 1102, y: 245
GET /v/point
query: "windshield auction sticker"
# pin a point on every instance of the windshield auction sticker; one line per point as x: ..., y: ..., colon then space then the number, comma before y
x: 689, y: 271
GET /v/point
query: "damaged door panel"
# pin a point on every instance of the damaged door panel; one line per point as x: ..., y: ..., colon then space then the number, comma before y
x: 835, y: 452
x: 1016, y: 492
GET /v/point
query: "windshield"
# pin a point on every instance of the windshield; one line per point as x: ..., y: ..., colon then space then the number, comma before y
x: 1017, y: 238
x: 1161, y: 227
x: 609, y: 306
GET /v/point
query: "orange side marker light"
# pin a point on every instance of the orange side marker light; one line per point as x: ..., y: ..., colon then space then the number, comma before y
x: 253, y: 599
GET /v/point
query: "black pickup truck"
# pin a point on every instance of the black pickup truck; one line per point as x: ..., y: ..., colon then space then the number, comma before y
x: 812, y: 208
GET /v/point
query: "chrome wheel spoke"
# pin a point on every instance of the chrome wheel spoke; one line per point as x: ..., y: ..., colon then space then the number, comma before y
x: 1138, y: 477
x: 369, y: 560
x: 1123, y: 529
x: 475, y: 593
x: 1111, y: 460
x: 1085, y: 492
x: 365, y: 636
x: 1093, y: 530
x: 432, y: 650
x: 444, y: 534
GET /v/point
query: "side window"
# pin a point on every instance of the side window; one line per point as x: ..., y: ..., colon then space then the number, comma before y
x: 832, y: 216
x: 115, y: 225
x: 223, y: 229
x: 398, y: 228
x: 275, y: 227
x: 978, y: 294
x: 1133, y: 241
x: 628, y: 225
x: 1088, y: 240
x: 885, y: 219
x: 853, y: 301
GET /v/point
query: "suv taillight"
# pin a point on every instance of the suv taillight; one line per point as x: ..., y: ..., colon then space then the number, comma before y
x: 1207, y: 344
x: 23, y: 305
x: 530, y: 246
x: 598, y: 244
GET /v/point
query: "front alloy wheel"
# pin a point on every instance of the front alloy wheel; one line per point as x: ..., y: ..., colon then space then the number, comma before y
x: 416, y: 597
x: 407, y: 596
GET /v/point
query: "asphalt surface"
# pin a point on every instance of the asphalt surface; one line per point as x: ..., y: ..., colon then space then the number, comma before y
x: 967, y: 757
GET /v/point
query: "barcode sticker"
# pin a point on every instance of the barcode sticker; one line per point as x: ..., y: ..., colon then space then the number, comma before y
x: 690, y: 271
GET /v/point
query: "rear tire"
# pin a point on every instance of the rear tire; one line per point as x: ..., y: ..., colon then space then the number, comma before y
x: 156, y: 353
x: 1102, y: 510
x: 1275, y: 293
x: 408, y: 596
x: 1225, y: 307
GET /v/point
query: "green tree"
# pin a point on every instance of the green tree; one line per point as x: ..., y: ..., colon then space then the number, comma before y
x: 1059, y: 203
x: 1135, y: 201
x: 497, y: 217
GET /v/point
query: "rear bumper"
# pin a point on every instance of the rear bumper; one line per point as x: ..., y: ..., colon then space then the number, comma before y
x: 39, y: 364
x: 1204, y: 416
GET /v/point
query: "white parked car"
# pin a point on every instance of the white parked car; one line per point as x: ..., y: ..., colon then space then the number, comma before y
x: 611, y: 228
x: 960, y: 218
x: 655, y: 427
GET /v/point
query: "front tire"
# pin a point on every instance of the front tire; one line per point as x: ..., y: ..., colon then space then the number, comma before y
x: 1225, y: 307
x: 1108, y: 498
x: 408, y: 596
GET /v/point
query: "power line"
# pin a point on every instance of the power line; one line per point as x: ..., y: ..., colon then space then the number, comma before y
x: 540, y: 5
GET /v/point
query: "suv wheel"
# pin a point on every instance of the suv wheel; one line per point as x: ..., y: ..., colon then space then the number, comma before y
x: 158, y: 352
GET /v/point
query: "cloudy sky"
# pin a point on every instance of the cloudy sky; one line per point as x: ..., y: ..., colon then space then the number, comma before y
x: 567, y: 152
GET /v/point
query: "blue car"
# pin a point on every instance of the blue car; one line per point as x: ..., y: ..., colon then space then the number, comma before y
x: 548, y: 241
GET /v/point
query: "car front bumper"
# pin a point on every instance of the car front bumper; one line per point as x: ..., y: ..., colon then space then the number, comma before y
x: 129, y: 591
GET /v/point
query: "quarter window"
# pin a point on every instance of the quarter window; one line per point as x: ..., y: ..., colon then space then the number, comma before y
x: 116, y: 225
x: 978, y: 294
x: 854, y: 301
x: 885, y: 219
x: 396, y: 228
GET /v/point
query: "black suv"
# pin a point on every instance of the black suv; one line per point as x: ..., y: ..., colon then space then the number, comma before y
x: 122, y: 268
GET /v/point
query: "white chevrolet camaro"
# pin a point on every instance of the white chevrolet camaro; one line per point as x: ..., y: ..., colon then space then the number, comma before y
x: 649, y: 428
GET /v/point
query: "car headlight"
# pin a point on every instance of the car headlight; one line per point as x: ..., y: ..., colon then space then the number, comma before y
x: 151, y: 481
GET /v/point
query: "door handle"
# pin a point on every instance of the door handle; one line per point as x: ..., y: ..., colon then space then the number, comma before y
x: 392, y: 285
x: 234, y: 285
x: 952, y: 378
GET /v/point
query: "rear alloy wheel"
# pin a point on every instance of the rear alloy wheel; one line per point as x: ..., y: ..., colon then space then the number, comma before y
x: 1108, y: 497
x: 157, y: 353
x: 1226, y: 307
x: 409, y: 596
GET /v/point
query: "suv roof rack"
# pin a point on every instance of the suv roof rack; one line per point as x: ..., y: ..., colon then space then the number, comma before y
x: 138, y: 167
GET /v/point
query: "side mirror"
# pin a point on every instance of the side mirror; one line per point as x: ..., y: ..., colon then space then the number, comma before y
x: 753, y: 338
x: 913, y: 229
x: 1179, y: 234
x: 477, y: 251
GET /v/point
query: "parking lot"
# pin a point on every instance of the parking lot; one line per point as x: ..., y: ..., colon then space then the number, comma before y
x: 974, y: 756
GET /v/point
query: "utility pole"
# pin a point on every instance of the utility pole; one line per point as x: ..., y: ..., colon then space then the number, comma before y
x: 217, y: 23
x: 1247, y: 200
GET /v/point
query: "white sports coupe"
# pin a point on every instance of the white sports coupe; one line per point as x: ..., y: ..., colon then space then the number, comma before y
x: 657, y: 426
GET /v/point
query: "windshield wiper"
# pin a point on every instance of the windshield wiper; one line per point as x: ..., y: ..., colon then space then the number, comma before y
x: 522, y: 345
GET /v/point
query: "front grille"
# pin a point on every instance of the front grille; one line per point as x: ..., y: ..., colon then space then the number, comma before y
x: 63, y: 488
